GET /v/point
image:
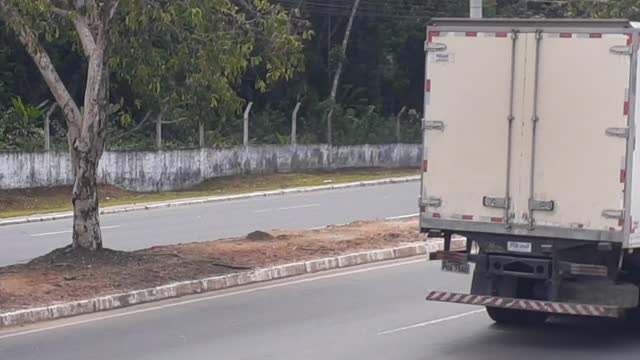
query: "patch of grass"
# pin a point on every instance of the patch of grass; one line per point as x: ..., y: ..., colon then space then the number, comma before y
x: 27, y: 202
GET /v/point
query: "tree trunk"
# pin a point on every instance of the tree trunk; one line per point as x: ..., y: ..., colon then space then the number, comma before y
x: 88, y: 148
x: 86, y: 213
x: 338, y: 74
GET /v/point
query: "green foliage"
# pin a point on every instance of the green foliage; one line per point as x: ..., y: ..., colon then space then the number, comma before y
x: 192, y: 55
x: 19, y: 127
x: 620, y: 9
x: 202, y: 61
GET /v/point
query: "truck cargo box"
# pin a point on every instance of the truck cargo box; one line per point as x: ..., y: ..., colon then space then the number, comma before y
x: 529, y: 129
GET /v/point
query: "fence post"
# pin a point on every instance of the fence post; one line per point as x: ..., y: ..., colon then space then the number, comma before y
x: 294, y: 124
x: 159, y: 132
x: 245, y: 138
x: 404, y: 108
x: 47, y: 125
x: 201, y: 134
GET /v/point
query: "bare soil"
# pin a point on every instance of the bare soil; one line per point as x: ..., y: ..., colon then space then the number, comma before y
x: 66, y: 275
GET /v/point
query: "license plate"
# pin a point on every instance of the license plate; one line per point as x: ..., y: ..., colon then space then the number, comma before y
x: 459, y: 268
x: 521, y: 247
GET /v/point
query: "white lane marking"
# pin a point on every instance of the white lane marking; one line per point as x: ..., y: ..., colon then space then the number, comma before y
x: 69, y: 231
x: 432, y: 322
x: 286, y: 208
x: 402, y: 217
x: 52, y: 233
x: 298, y: 207
x: 208, y: 298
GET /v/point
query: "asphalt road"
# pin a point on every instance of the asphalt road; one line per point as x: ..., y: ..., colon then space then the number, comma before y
x: 375, y: 312
x: 137, y: 230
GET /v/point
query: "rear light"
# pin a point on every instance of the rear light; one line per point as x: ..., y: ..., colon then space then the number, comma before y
x: 451, y: 256
x: 588, y: 270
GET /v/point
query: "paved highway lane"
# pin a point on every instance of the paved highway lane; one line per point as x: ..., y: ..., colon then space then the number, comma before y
x: 142, y: 229
x: 374, y: 312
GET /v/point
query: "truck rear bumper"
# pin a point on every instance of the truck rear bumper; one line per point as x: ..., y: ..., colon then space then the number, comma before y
x: 525, y: 304
x: 428, y: 222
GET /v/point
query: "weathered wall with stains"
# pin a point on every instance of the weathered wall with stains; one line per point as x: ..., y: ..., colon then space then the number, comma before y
x: 173, y: 170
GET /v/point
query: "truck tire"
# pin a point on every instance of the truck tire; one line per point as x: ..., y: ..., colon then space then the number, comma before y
x: 516, y: 317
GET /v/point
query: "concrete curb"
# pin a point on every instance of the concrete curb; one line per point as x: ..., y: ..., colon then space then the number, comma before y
x: 210, y: 199
x: 116, y: 301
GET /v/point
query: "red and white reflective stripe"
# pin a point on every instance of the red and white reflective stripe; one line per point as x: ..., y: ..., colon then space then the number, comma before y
x: 525, y: 304
x: 623, y: 177
x: 626, y: 108
x: 432, y: 34
x: 471, y: 34
x: 465, y: 217
x: 568, y: 35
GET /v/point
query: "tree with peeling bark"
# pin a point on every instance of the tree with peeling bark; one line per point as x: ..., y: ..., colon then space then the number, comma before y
x: 92, y: 21
x: 175, y: 49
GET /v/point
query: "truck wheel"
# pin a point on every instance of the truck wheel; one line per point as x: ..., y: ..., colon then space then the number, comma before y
x: 516, y: 317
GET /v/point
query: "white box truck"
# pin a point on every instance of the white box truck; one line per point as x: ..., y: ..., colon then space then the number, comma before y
x: 530, y: 154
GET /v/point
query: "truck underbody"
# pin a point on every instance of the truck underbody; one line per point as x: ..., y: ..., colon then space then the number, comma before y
x: 562, y: 277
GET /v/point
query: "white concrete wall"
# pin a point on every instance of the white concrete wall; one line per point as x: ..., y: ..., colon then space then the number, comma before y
x: 173, y: 170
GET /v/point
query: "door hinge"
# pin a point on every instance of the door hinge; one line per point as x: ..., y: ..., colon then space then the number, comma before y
x: 621, y: 132
x: 494, y: 202
x: 620, y: 50
x: 613, y: 214
x: 434, y: 125
x: 433, y: 202
x: 434, y: 47
x: 541, y: 205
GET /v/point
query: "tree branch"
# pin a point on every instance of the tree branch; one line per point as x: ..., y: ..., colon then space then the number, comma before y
x: 61, y: 12
x: 51, y: 110
x: 42, y: 60
x: 86, y: 37
x: 144, y: 120
x: 114, y: 7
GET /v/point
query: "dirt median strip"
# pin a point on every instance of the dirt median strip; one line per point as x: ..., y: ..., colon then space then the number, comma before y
x: 208, y: 199
x: 58, y: 285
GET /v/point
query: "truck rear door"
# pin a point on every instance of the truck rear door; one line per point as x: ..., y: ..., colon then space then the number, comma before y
x: 574, y: 137
x: 526, y: 132
x: 467, y: 108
